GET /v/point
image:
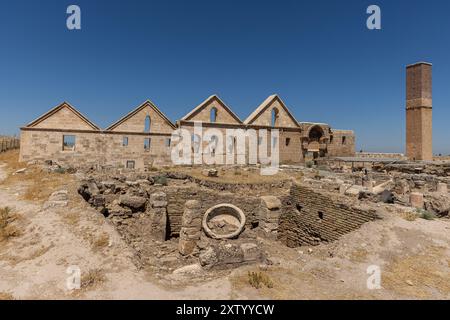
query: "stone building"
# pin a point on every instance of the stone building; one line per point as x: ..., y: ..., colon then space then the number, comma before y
x: 419, y: 130
x: 142, y: 138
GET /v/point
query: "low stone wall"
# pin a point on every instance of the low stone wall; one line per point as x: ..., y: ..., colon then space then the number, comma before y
x: 310, y: 217
x: 177, y: 197
x: 380, y: 155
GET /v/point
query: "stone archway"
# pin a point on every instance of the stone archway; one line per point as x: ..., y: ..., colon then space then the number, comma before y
x: 315, y: 133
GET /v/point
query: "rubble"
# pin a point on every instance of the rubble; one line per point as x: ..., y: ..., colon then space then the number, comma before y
x: 186, y: 226
x: 210, y: 172
x: 57, y: 199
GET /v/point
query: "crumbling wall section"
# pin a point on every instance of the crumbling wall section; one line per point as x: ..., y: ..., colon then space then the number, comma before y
x: 310, y: 218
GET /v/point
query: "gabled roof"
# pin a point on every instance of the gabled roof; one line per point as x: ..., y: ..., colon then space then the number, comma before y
x: 58, y: 108
x: 146, y: 103
x: 264, y: 105
x: 202, y: 105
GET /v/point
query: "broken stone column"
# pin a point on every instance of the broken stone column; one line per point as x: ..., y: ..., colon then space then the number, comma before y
x: 191, y: 226
x: 158, y: 215
x: 270, y: 211
x: 416, y: 200
x: 442, y: 188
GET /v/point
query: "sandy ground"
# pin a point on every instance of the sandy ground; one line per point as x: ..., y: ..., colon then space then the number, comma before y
x: 413, y: 258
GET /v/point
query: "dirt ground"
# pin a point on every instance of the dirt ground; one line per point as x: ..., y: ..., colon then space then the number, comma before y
x: 413, y: 256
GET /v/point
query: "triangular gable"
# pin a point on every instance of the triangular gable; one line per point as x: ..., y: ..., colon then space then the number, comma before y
x: 121, y: 124
x: 197, y: 112
x: 63, y: 116
x: 263, y: 107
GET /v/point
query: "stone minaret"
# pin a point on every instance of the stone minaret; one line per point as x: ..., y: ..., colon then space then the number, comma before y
x: 419, y: 126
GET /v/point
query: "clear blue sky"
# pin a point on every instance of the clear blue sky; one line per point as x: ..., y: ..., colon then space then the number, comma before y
x: 318, y: 55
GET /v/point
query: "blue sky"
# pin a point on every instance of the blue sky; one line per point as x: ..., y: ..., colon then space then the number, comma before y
x: 317, y: 55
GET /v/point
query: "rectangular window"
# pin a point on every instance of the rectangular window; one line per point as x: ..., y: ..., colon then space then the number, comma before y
x: 147, y: 143
x: 168, y: 142
x: 125, y: 141
x: 259, y: 141
x: 68, y: 143
x: 274, y: 142
x: 288, y: 141
x: 130, y: 164
x: 344, y: 140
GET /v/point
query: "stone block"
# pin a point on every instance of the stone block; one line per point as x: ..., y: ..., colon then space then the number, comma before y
x: 251, y: 251
x: 271, y: 202
x: 416, y: 200
x: 186, y: 247
x: 158, y: 196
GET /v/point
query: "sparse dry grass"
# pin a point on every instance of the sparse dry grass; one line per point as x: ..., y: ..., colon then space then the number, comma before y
x: 259, y: 279
x: 8, y: 227
x: 15, y: 259
x: 267, y: 282
x: 359, y: 255
x: 6, y: 296
x: 11, y: 158
x: 100, y: 241
x: 39, y: 184
x: 418, y: 275
x: 92, y: 278
x: 409, y: 215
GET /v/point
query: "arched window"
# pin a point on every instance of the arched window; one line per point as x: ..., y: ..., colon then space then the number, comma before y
x: 213, y: 144
x: 213, y: 115
x: 274, y: 117
x: 147, y: 124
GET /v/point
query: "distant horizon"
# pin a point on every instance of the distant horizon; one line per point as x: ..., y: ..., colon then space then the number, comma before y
x: 319, y: 57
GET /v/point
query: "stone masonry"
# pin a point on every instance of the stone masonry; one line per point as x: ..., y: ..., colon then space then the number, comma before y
x: 128, y: 143
x: 311, y: 218
x: 158, y: 215
x: 270, y: 211
x: 191, y: 227
x: 419, y: 135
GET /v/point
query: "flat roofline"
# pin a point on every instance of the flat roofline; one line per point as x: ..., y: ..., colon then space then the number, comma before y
x: 419, y: 63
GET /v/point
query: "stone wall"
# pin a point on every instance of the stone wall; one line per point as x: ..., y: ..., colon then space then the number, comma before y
x: 203, y: 113
x: 94, y: 148
x: 380, y: 155
x: 342, y: 143
x: 289, y: 142
x: 283, y: 119
x: 177, y: 197
x: 43, y: 138
x: 310, y: 217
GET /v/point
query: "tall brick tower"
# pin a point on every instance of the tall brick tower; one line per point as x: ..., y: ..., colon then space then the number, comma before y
x: 419, y: 126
